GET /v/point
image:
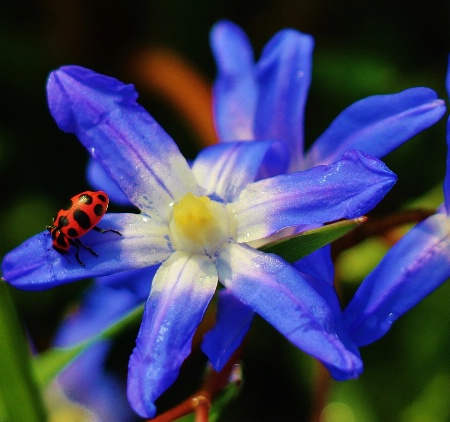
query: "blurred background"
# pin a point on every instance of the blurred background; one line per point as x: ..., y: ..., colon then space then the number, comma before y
x: 362, y: 49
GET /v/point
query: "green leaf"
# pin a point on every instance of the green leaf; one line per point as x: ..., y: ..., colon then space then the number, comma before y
x: 50, y: 363
x: 295, y: 247
x: 20, y: 399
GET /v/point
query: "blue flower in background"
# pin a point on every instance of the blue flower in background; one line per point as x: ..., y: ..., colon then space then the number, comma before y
x: 415, y: 266
x: 86, y: 380
x: 266, y: 101
x: 197, y: 222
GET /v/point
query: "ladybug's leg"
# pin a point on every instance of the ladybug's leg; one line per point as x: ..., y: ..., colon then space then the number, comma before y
x: 86, y: 247
x: 77, y: 243
x: 98, y: 229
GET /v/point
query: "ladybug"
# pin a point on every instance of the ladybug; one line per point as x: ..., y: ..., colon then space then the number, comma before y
x: 81, y: 214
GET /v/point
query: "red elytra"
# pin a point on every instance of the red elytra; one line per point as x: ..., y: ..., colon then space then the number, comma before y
x: 80, y: 215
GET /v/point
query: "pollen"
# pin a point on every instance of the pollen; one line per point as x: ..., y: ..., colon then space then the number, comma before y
x: 199, y: 224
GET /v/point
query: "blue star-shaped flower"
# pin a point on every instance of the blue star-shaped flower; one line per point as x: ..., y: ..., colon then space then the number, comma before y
x: 197, y: 222
x: 266, y: 100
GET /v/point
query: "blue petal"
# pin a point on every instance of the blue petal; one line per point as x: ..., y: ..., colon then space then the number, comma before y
x: 181, y: 291
x: 284, y: 76
x: 35, y: 265
x: 377, y: 125
x: 107, y: 301
x: 138, y: 282
x: 346, y: 189
x: 413, y: 268
x: 277, y: 292
x: 99, y: 179
x: 318, y: 264
x: 86, y: 381
x: 225, y: 169
x: 232, y: 324
x: 318, y: 270
x: 235, y: 90
x: 127, y: 142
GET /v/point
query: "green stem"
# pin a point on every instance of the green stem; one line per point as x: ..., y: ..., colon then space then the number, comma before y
x: 20, y: 399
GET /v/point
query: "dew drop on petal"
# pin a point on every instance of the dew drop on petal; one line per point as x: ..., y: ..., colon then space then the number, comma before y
x: 391, y: 318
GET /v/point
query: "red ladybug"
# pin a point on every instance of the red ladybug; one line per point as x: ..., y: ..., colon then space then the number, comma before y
x: 80, y: 215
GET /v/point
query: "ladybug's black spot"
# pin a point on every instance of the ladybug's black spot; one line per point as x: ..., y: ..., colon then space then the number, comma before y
x: 101, y: 197
x: 99, y: 210
x: 63, y: 221
x: 68, y: 205
x: 85, y: 198
x: 61, y: 241
x: 82, y: 219
x: 72, y: 232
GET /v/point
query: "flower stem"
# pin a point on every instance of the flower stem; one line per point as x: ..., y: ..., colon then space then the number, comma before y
x: 379, y: 226
x: 201, y: 401
x: 21, y: 399
x: 321, y: 391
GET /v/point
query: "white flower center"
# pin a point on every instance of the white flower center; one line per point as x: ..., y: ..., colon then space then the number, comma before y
x: 199, y: 225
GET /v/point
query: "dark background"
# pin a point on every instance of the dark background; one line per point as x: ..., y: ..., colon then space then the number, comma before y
x: 362, y: 48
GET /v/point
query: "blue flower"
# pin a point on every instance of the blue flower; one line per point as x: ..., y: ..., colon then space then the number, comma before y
x: 415, y: 266
x: 266, y: 100
x: 197, y: 222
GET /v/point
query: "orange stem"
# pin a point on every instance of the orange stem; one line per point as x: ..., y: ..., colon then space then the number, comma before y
x: 200, y: 402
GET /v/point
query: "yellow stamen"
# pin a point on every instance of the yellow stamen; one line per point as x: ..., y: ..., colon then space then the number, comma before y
x: 193, y: 217
x: 198, y: 224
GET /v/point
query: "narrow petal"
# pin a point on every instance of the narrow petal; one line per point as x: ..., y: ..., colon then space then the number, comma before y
x: 346, y: 189
x: 284, y: 77
x: 181, y: 291
x: 100, y: 308
x: 35, y: 265
x: 99, y: 179
x: 412, y: 269
x: 86, y: 381
x: 225, y: 169
x: 232, y: 324
x: 127, y: 142
x: 377, y: 125
x: 318, y: 270
x: 318, y: 264
x: 235, y: 90
x: 277, y: 292
x: 138, y: 282
x: 107, y: 301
